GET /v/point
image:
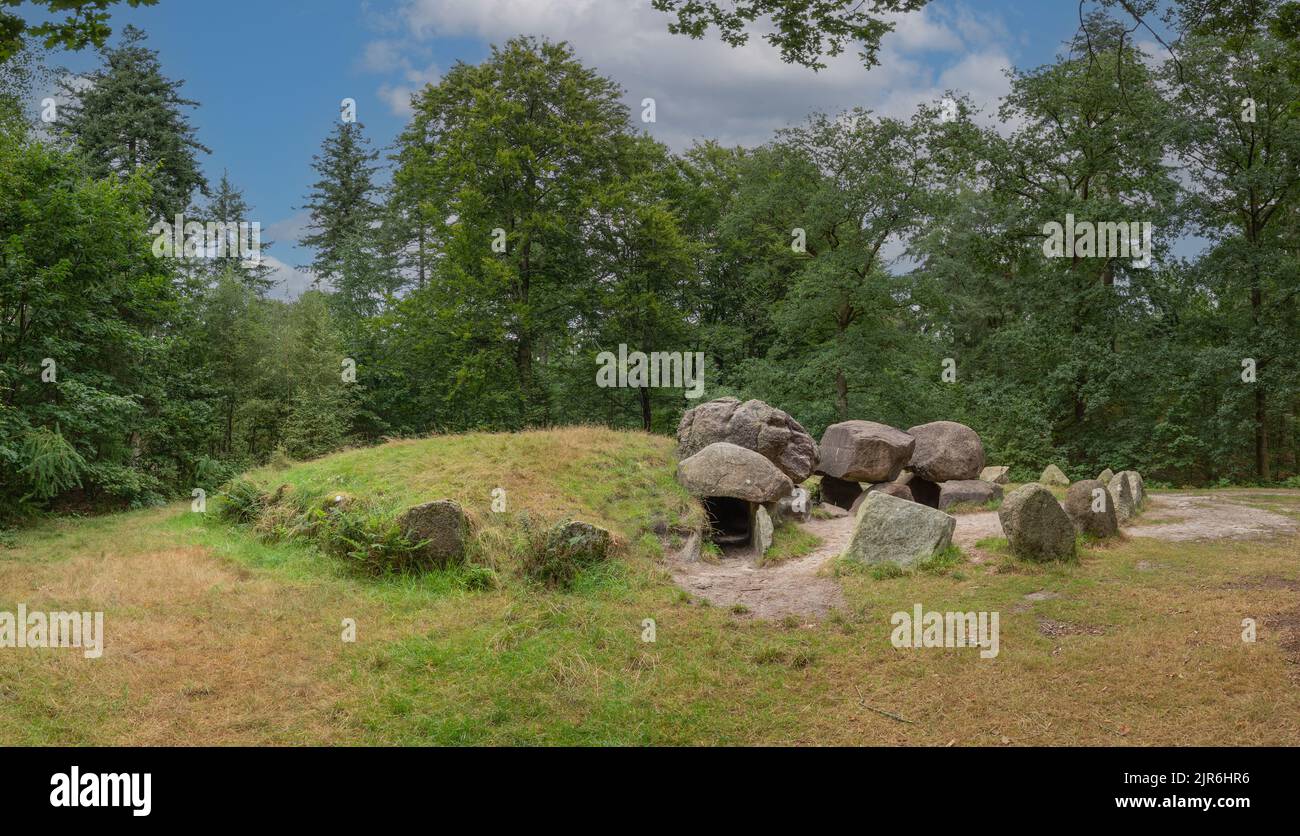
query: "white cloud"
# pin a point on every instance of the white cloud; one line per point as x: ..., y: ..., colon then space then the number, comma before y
x: 290, y: 282
x: 705, y: 89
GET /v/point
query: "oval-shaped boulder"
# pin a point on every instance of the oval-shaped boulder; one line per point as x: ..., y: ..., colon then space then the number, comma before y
x: 753, y: 425
x: 946, y: 450
x: 725, y: 469
x: 864, y: 451
x: 1036, y: 525
x: 440, y: 526
x: 1092, y: 508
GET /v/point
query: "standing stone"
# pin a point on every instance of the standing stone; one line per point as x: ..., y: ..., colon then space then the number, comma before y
x: 893, y: 530
x: 1036, y: 525
x: 1053, y: 475
x: 1136, y: 487
x: 1122, y: 493
x: 997, y: 474
x: 753, y: 425
x: 840, y: 491
x: 760, y: 530
x: 946, y: 450
x: 441, y: 526
x: 1106, y: 476
x: 974, y: 491
x: 725, y: 469
x: 864, y: 451
x: 1081, y: 503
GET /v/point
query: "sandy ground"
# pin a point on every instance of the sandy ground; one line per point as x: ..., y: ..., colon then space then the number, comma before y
x: 802, y: 588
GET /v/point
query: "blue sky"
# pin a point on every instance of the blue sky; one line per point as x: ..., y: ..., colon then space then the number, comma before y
x: 270, y: 74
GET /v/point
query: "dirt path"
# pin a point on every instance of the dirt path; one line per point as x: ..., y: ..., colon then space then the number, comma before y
x: 793, y: 587
x: 801, y: 588
x: 1185, y: 516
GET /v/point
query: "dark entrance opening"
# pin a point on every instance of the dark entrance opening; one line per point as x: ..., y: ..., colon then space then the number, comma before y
x: 924, y: 491
x: 728, y: 520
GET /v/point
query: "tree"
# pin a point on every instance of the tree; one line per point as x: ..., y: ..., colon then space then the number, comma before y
x: 1239, y: 137
x: 342, y: 202
x: 232, y: 216
x: 86, y: 24
x: 804, y: 31
x: 503, y: 160
x: 129, y: 119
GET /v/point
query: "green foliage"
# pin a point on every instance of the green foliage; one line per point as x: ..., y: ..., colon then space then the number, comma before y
x: 242, y: 501
x: 86, y: 24
x: 49, y: 464
x: 370, y: 543
x: 804, y: 32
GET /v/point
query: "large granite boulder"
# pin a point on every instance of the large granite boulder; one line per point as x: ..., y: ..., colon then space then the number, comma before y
x: 725, y: 469
x: 864, y: 451
x: 946, y: 450
x: 753, y: 425
x: 973, y: 491
x: 1036, y: 525
x: 1121, y: 490
x: 1092, y: 508
x: 893, y: 530
x: 839, y: 492
x: 440, y: 526
x: 997, y: 474
x: 1054, y: 476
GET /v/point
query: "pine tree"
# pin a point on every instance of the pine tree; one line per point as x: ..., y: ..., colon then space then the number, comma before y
x: 228, y: 208
x: 129, y: 118
x: 342, y: 201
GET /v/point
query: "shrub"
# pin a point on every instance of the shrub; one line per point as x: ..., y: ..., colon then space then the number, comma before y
x: 371, y: 543
x: 242, y: 501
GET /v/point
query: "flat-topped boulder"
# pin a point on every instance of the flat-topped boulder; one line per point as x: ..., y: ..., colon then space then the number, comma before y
x: 864, y: 451
x: 1054, y: 476
x: 1036, y: 525
x: 1092, y: 508
x: 972, y: 491
x: 893, y: 530
x: 946, y: 450
x: 753, y: 425
x: 723, y: 469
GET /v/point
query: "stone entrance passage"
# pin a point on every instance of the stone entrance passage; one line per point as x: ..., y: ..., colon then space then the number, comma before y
x: 729, y: 520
